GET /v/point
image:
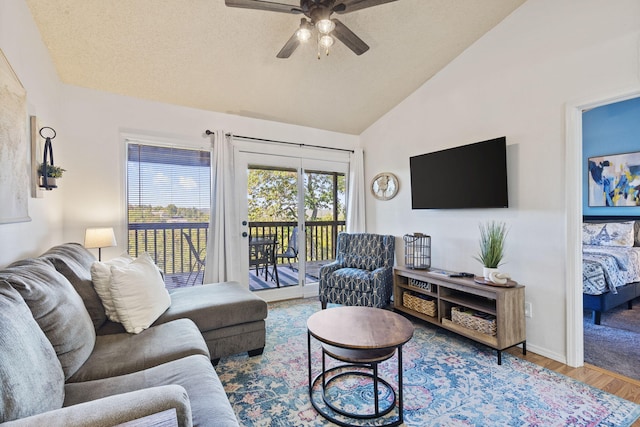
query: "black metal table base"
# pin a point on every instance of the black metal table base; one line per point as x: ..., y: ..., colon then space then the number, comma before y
x: 327, y: 379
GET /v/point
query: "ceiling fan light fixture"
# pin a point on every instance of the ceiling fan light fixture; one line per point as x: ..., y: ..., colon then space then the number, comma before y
x: 303, y: 34
x: 316, y: 21
x: 325, y: 42
x: 325, y: 26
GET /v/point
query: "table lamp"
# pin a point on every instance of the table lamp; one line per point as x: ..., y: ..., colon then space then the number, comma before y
x: 102, y: 237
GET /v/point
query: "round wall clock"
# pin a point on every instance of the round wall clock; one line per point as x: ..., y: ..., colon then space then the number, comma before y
x: 384, y: 186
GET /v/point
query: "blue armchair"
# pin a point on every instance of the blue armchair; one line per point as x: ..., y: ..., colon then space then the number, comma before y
x: 362, y: 273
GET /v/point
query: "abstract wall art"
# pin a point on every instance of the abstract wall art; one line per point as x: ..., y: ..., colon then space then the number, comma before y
x: 14, y: 165
x: 614, y: 180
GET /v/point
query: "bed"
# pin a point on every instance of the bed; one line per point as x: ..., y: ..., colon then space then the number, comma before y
x: 610, y: 263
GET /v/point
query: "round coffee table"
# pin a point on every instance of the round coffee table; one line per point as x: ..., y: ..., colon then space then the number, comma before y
x: 362, y: 337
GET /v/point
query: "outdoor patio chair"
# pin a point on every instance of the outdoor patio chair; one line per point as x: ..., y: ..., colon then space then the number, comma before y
x: 292, y: 249
x: 198, y: 261
x: 362, y: 273
x: 262, y: 255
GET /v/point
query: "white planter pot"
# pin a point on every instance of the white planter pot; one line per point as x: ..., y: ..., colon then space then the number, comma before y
x: 486, y: 272
x: 50, y: 181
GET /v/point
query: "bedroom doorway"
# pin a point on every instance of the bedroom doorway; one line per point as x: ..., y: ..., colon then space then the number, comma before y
x: 611, y: 334
x: 574, y: 197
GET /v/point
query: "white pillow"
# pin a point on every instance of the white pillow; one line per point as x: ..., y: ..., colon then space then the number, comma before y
x: 101, y: 278
x: 138, y: 293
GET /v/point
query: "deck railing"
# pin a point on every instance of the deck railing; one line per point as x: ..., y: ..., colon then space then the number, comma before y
x: 321, y: 236
x: 167, y: 242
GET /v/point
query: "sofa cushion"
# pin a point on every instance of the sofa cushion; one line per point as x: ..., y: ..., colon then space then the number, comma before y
x: 120, y: 354
x: 74, y: 262
x: 363, y: 262
x: 215, y: 306
x: 353, y: 279
x: 209, y: 403
x: 57, y: 308
x: 31, y: 377
x: 101, y: 276
x: 138, y: 293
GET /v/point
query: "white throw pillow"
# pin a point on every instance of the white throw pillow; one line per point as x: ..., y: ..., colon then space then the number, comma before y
x: 138, y: 293
x: 101, y: 278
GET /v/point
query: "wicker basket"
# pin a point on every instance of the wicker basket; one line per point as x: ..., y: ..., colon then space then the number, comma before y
x: 421, y: 305
x: 470, y: 319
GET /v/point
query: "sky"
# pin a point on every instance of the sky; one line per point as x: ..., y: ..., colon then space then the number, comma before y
x: 162, y: 184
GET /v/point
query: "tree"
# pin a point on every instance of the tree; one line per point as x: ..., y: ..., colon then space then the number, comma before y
x: 318, y: 194
x: 273, y: 195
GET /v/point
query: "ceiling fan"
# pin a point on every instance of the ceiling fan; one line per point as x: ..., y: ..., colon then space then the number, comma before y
x: 317, y: 15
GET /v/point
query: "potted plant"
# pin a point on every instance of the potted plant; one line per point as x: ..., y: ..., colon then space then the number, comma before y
x: 51, y: 173
x: 492, y: 237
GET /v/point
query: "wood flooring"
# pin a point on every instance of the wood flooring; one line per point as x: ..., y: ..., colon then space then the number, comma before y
x: 611, y: 382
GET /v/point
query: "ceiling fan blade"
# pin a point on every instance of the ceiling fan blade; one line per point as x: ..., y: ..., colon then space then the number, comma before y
x: 346, y: 6
x: 289, y: 47
x: 263, y: 5
x: 348, y: 37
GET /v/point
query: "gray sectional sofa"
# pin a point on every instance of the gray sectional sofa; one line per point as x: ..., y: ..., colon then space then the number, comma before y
x: 62, y: 363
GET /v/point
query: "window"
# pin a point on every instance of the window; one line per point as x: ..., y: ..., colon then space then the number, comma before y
x: 168, y: 208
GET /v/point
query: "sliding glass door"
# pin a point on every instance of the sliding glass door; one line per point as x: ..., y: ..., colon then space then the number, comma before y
x: 291, y: 212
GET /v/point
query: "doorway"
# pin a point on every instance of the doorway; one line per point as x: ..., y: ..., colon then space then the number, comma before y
x: 573, y: 194
x: 609, y: 342
x: 291, y: 211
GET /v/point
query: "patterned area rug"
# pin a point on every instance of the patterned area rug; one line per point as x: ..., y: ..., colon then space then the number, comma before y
x: 448, y: 381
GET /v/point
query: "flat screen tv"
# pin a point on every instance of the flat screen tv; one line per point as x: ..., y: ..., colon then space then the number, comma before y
x: 470, y: 176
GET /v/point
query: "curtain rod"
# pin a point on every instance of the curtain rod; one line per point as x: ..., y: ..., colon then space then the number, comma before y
x: 208, y: 132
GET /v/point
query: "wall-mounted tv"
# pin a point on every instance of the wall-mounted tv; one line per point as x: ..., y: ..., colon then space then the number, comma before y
x: 470, y: 176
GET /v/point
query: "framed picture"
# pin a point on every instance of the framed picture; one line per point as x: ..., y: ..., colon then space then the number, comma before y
x: 614, y: 180
x: 14, y: 164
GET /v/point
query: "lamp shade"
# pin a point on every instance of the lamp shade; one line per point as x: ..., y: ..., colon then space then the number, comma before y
x: 103, y: 237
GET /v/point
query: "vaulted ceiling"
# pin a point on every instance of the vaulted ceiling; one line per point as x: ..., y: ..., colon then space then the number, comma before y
x: 202, y: 54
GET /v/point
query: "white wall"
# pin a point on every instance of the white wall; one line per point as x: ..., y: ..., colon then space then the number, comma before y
x: 515, y: 81
x: 21, y: 44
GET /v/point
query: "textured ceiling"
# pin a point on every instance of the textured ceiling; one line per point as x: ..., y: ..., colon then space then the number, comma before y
x: 202, y: 54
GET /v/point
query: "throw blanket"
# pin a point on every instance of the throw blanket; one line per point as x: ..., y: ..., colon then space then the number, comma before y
x: 593, y: 280
x: 607, y: 267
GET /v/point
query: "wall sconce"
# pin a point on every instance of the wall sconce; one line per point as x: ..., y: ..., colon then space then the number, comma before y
x: 102, y: 237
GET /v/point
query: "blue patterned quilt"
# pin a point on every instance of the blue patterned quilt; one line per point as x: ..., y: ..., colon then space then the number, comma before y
x: 605, y: 268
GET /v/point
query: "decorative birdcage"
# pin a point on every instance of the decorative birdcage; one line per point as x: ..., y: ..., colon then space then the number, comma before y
x: 417, y: 251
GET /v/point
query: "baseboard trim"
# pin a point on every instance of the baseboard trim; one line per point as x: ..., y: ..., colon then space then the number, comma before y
x: 546, y: 353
